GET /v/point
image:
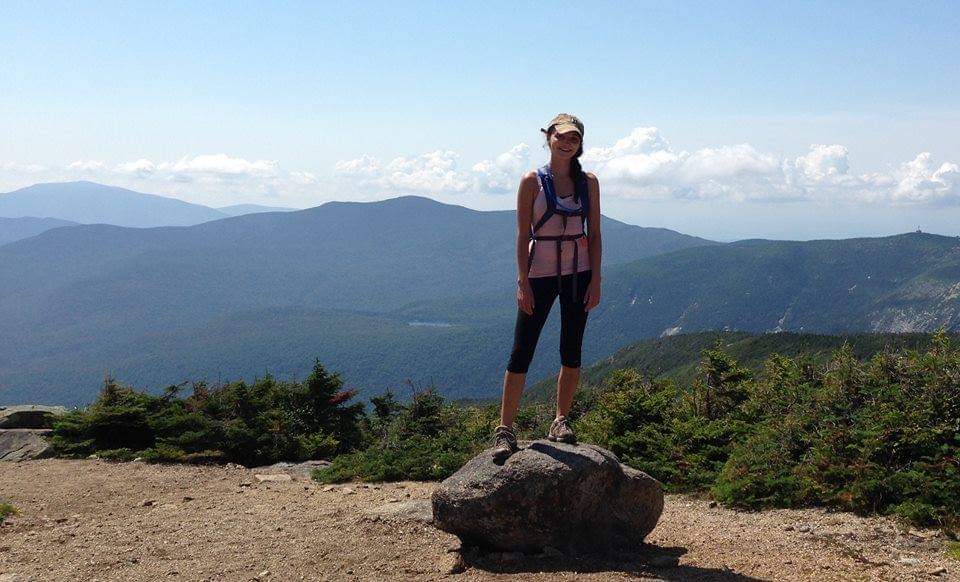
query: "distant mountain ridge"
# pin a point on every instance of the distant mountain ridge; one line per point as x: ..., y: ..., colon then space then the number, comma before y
x: 241, y: 209
x: 92, y: 203
x: 354, y: 283
x: 151, y: 304
x: 12, y: 229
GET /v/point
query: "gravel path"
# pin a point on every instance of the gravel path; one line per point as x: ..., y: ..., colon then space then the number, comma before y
x: 93, y: 520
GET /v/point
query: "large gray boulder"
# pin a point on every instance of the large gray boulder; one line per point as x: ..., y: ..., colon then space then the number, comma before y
x: 576, y: 498
x: 29, y: 415
x: 21, y: 444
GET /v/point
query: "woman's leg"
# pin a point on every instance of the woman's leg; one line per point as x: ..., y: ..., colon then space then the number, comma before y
x: 573, y: 322
x: 525, y: 336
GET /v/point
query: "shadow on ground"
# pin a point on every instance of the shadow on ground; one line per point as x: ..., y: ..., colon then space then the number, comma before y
x: 650, y: 562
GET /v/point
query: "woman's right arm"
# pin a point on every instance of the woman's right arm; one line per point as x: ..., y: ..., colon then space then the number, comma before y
x: 525, y: 196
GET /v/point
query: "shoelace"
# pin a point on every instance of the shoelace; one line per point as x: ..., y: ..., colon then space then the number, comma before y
x: 504, y: 435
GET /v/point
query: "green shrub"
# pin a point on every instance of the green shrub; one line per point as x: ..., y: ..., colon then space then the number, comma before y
x: 262, y: 423
x: 424, y: 440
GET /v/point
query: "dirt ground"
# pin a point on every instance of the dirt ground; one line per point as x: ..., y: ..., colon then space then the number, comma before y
x: 94, y: 520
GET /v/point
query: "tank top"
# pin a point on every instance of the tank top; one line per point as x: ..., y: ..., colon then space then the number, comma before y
x: 545, y: 259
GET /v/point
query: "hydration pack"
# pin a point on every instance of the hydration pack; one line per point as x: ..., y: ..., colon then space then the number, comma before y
x: 545, y: 176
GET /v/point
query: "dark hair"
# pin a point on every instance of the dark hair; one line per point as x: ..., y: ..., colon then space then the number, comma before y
x: 576, y: 170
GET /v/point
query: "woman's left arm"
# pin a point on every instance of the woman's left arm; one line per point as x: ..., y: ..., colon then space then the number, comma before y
x: 595, y: 246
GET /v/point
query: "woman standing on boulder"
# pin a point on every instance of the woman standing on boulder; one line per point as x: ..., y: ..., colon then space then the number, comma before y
x: 558, y: 254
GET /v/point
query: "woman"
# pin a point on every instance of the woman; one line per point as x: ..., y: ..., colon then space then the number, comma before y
x: 554, y: 258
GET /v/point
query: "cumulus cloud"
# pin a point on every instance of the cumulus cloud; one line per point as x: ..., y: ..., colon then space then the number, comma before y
x: 206, y: 178
x: 642, y: 165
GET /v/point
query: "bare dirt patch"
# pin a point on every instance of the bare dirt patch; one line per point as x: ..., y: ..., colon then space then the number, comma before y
x: 94, y: 520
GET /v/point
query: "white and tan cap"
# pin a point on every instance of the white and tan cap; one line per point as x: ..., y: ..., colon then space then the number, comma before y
x: 563, y: 123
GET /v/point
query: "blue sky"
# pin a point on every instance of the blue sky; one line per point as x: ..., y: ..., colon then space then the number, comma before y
x: 301, y: 103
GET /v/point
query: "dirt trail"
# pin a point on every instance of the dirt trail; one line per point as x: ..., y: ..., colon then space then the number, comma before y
x: 93, y: 520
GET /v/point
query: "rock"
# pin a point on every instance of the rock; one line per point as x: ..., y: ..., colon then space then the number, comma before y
x: 29, y: 415
x: 304, y: 469
x: 420, y: 511
x: 907, y: 561
x: 938, y: 572
x: 803, y: 528
x: 272, y: 477
x: 575, y: 498
x: 20, y: 444
x: 347, y: 491
x: 328, y: 488
x: 148, y: 502
x: 453, y: 563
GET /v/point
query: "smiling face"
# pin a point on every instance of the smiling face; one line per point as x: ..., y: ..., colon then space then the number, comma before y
x: 564, y: 145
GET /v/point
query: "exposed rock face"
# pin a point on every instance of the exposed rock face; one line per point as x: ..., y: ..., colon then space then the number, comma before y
x: 577, y: 498
x: 29, y: 415
x: 20, y: 444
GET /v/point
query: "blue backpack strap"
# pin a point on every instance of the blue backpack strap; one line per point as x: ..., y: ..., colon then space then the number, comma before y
x: 546, y: 179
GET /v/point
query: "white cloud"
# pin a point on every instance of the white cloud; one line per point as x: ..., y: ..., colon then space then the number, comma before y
x: 643, y: 165
x: 87, y: 166
x: 141, y: 168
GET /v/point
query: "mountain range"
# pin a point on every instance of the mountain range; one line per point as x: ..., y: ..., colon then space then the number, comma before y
x: 12, y: 229
x: 91, y: 203
x: 343, y: 281
x: 410, y: 289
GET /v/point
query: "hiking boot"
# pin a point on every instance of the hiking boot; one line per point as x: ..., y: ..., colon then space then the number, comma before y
x: 560, y: 431
x: 505, y: 444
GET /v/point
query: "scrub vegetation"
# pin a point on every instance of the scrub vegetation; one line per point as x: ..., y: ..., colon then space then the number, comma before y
x: 873, y: 434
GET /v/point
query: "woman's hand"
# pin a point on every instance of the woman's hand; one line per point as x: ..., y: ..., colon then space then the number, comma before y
x: 525, y: 296
x: 592, y: 297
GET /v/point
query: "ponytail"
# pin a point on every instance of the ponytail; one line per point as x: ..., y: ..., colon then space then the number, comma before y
x: 576, y: 173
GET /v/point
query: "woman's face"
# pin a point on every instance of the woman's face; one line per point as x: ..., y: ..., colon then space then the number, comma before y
x: 564, y: 145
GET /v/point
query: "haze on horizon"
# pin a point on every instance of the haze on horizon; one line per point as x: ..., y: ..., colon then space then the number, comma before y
x: 741, y: 121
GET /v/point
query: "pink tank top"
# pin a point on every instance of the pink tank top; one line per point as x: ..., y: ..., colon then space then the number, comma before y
x: 545, y: 258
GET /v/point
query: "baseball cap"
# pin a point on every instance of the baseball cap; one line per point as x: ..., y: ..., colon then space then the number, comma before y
x: 565, y: 122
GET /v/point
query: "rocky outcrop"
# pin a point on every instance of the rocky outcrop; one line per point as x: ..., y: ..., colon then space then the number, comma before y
x: 20, y: 444
x: 576, y: 498
x: 29, y: 416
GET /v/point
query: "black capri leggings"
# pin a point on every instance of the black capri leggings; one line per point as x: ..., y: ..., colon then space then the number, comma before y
x: 573, y: 320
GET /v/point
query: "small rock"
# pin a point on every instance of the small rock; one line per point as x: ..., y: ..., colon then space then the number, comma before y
x: 246, y: 483
x: 939, y: 571
x: 148, y: 502
x: 712, y: 503
x: 138, y: 460
x: 263, y: 574
x: 272, y: 477
x: 187, y: 498
x: 789, y: 528
x: 453, y: 563
x: 347, y: 491
x: 804, y: 528
x: 907, y: 561
x: 328, y: 488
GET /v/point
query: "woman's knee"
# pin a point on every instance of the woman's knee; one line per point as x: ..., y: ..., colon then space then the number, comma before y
x: 519, y: 361
x: 570, y: 359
